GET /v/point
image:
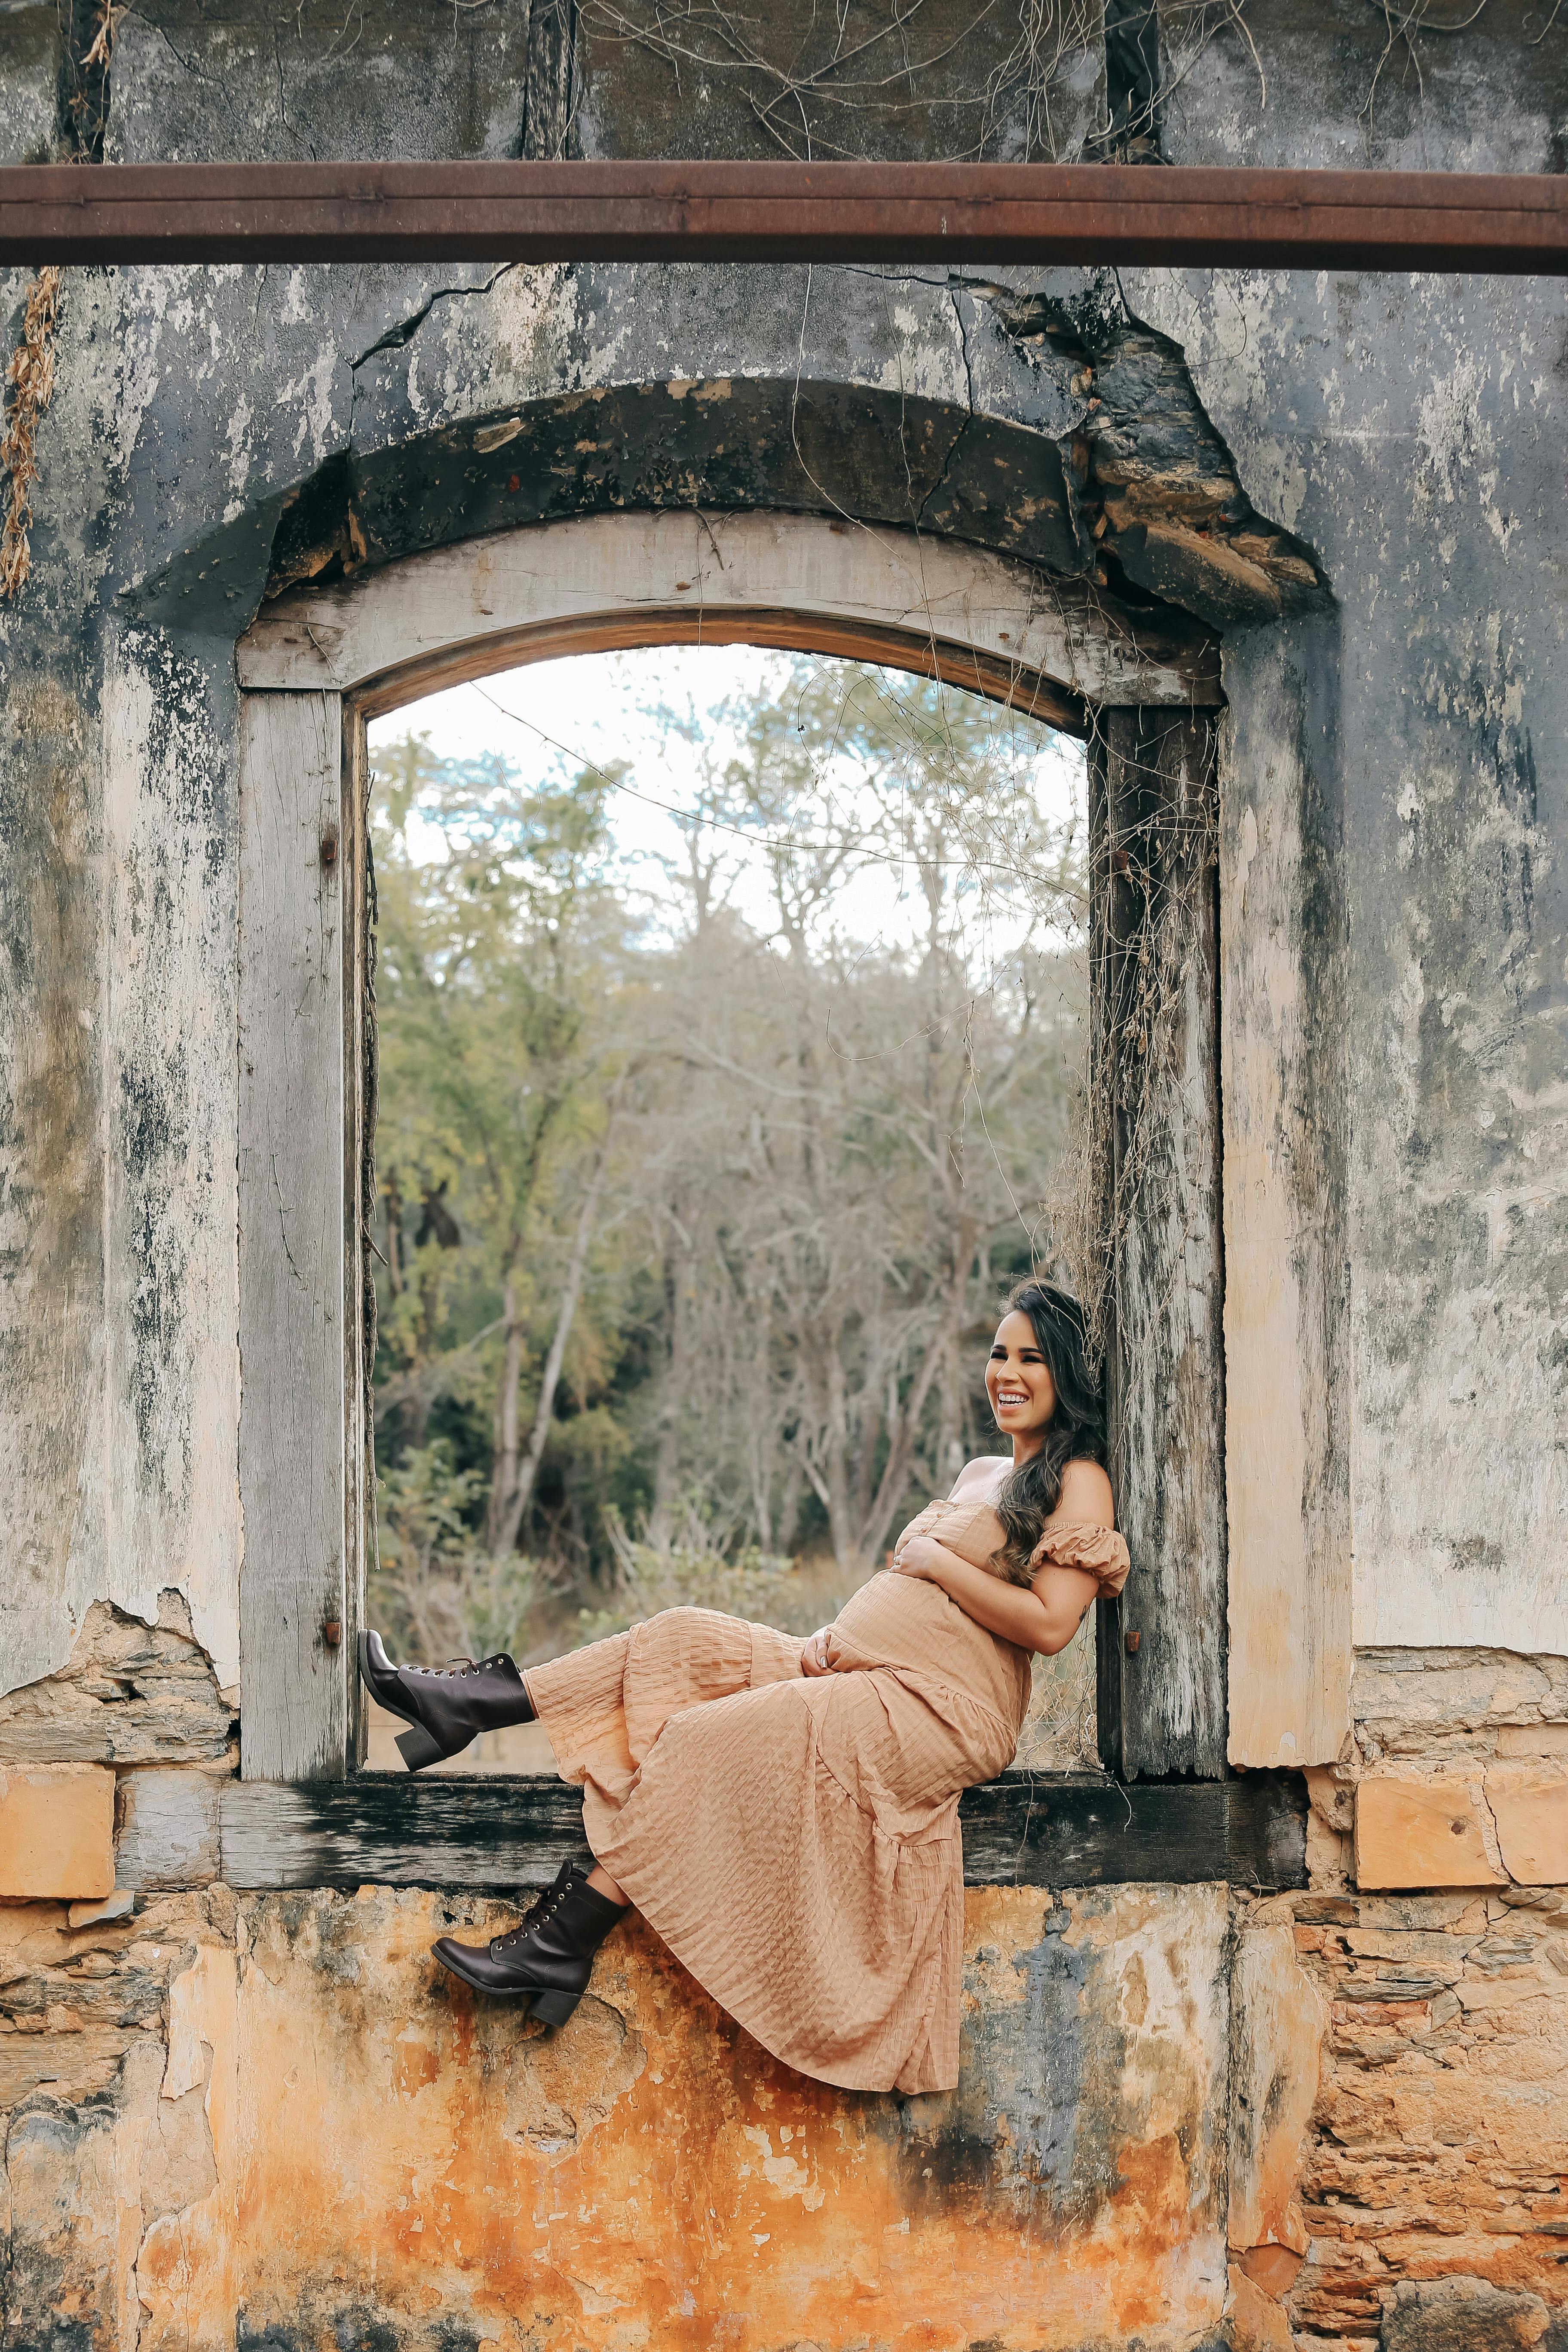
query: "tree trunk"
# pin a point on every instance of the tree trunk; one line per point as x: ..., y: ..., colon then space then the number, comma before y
x: 761, y: 1427
x: 666, y: 1460
x: 789, y: 1507
x: 507, y: 1421
x: 903, y: 1431
x: 838, y: 1463
x: 506, y: 1519
x: 864, y: 1450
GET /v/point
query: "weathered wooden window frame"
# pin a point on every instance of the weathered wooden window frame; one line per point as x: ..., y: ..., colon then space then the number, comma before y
x: 313, y: 669
x: 304, y: 1437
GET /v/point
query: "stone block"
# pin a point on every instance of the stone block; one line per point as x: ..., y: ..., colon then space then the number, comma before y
x: 1271, y: 2269
x: 118, y: 1906
x: 1461, y: 2315
x: 1413, y: 1694
x: 1492, y: 1994
x: 57, y: 1834
x: 1420, y: 1833
x: 1413, y: 1946
x: 1278, y: 2017
x: 1532, y: 1740
x: 1530, y: 1807
x: 1541, y: 1902
x: 1253, y: 2320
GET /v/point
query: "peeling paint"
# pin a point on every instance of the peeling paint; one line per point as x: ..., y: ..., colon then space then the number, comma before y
x: 339, y: 2139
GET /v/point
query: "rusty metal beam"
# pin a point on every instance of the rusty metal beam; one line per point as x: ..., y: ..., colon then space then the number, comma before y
x: 942, y: 213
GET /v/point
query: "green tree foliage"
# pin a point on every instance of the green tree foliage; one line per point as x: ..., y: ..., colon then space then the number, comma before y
x: 439, y: 1592
x: 694, y: 1220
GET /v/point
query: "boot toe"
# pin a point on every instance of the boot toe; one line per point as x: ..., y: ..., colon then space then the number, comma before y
x: 469, y: 1962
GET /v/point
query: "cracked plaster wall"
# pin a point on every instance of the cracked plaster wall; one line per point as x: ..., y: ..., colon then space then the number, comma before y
x: 1400, y: 761
x: 1401, y: 432
x: 310, y: 2127
x: 223, y: 428
x: 1185, y: 2119
x: 1410, y: 430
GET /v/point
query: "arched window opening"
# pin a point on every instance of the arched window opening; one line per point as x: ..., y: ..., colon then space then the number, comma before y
x: 1132, y: 1215
x: 730, y: 1007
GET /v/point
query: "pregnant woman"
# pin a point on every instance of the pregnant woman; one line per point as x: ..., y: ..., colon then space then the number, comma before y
x: 784, y: 1812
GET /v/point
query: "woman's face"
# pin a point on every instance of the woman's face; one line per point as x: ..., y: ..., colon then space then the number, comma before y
x: 1019, y: 1379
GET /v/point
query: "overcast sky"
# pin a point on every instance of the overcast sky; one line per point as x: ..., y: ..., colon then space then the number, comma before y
x: 592, y: 710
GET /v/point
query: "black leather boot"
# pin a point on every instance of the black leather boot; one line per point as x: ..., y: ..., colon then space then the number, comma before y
x: 447, y: 1706
x: 547, y: 1959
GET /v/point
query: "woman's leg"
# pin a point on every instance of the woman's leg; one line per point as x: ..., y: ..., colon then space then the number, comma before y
x: 602, y: 1709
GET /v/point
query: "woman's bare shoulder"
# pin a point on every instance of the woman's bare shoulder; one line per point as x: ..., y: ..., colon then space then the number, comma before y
x: 1086, y: 1494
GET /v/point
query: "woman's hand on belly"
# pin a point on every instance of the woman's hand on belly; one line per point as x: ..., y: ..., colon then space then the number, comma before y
x: 819, y: 1654
x: 921, y: 1556
x: 1032, y: 1620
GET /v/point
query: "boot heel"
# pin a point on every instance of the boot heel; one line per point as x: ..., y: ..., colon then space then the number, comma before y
x: 417, y: 1749
x: 553, y: 2008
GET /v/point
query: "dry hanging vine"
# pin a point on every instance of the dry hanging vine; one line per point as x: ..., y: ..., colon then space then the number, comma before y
x: 30, y: 385
x: 1155, y: 837
x: 868, y: 79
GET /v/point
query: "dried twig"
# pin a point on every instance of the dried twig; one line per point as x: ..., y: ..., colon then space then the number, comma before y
x: 31, y: 379
x: 102, y: 48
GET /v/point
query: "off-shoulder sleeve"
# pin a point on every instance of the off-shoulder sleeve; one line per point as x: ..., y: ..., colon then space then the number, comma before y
x: 1100, y: 1552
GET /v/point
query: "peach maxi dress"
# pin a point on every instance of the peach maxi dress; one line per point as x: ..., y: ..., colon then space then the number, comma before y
x: 796, y: 1841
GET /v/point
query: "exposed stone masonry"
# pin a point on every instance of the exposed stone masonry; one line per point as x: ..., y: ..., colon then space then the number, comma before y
x: 1438, y: 2145
x: 130, y: 1694
x: 1455, y: 1772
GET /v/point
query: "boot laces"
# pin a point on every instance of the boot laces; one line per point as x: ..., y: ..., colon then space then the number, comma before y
x: 534, y: 1916
x: 458, y: 1669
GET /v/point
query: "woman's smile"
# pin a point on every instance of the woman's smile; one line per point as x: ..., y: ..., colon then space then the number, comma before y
x: 1018, y: 1382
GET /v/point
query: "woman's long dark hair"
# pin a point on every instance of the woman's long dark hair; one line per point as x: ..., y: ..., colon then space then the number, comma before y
x: 1076, y: 1431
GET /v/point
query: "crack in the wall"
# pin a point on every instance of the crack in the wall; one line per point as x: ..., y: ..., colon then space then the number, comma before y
x: 963, y: 346
x: 186, y: 64
x: 303, y: 138
x: 283, y: 1227
x: 1490, y: 1838
x: 398, y: 338
x: 946, y: 476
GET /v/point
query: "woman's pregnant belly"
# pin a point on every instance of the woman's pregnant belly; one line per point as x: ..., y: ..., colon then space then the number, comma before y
x: 912, y: 1627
